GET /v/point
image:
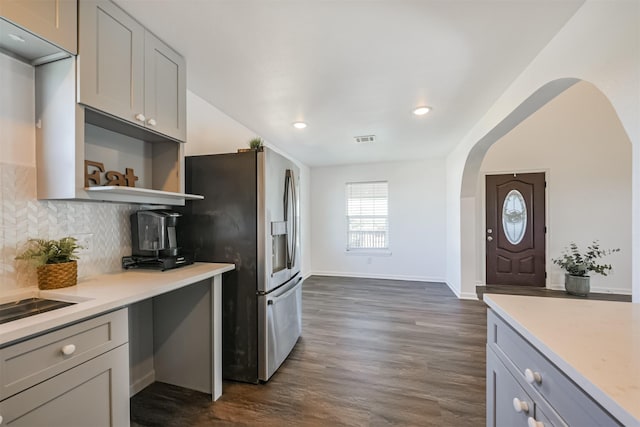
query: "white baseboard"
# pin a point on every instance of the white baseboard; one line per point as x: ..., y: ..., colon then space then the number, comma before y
x: 462, y: 295
x: 377, y: 276
x: 596, y: 290
x: 142, y: 383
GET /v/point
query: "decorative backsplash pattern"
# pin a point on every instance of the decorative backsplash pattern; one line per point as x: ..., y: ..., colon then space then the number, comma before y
x: 102, y: 227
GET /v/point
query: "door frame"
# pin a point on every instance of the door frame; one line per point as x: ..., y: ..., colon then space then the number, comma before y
x: 481, y: 220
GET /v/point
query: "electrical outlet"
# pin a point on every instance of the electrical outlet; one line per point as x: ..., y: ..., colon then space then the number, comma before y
x: 369, y: 260
x: 86, y: 241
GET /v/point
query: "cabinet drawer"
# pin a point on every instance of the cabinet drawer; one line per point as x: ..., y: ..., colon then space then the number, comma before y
x: 30, y: 362
x: 503, y: 388
x: 569, y: 400
x: 95, y: 393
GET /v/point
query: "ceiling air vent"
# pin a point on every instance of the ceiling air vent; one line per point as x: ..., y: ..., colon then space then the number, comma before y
x: 364, y: 139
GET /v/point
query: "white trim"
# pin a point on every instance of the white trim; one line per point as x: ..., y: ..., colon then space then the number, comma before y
x: 462, y: 295
x: 378, y: 276
x: 144, y: 382
x: 368, y: 252
x: 596, y: 290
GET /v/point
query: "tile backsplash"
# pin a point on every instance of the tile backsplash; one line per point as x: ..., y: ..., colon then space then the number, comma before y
x: 102, y: 227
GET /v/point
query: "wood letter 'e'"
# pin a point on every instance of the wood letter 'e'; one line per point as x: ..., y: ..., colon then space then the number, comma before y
x: 95, y: 175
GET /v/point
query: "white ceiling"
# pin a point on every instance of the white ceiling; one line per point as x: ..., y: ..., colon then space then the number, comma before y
x: 354, y: 67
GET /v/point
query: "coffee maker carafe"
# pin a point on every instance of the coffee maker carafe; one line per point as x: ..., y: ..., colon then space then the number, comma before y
x: 153, y: 241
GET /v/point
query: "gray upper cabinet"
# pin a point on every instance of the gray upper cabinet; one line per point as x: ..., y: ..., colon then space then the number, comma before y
x: 111, y: 60
x: 53, y: 20
x: 128, y: 73
x: 165, y: 89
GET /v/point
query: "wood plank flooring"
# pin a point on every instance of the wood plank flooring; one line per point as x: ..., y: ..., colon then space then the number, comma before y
x: 544, y: 292
x: 372, y: 353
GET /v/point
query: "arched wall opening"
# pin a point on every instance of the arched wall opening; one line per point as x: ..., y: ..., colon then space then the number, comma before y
x: 472, y: 193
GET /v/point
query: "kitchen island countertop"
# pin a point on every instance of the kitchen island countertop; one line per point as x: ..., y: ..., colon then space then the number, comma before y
x: 595, y: 343
x: 98, y: 294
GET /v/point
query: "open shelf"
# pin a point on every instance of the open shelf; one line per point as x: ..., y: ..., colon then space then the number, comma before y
x: 144, y: 192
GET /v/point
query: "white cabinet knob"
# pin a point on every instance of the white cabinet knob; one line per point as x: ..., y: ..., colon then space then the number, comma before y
x: 140, y: 117
x: 533, y: 423
x: 532, y: 377
x: 68, y: 349
x: 152, y: 122
x: 520, y: 405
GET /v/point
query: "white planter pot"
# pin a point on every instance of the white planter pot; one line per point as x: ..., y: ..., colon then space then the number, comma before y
x: 577, y: 285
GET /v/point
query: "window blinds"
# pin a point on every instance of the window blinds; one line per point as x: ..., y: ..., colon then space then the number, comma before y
x: 367, y: 215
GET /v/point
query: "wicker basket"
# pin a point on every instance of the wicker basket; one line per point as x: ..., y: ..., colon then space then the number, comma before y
x: 55, y: 276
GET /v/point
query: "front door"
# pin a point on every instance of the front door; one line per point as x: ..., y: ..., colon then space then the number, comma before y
x: 515, y: 233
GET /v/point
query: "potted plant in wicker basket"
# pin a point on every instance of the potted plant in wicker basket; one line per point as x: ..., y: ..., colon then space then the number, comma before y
x: 578, y: 265
x: 55, y: 261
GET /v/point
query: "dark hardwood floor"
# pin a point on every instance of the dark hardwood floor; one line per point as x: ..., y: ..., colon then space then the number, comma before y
x: 544, y: 292
x: 372, y: 353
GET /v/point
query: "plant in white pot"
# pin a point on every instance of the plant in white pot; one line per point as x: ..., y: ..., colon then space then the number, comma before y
x: 55, y: 261
x: 578, y: 264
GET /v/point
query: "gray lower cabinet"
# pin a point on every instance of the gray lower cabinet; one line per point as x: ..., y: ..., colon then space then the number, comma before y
x: 517, y: 370
x: 95, y: 393
x: 508, y: 404
x: 127, y: 72
x: 53, y: 20
x: 77, y: 375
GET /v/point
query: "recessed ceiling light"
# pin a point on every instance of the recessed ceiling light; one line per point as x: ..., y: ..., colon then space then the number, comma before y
x: 421, y: 111
x: 299, y: 125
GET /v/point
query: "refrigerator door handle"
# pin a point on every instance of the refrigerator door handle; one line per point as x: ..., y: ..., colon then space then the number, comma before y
x: 290, y: 229
x: 294, y: 210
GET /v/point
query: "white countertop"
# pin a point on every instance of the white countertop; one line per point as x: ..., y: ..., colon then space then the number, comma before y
x: 98, y: 294
x: 595, y: 343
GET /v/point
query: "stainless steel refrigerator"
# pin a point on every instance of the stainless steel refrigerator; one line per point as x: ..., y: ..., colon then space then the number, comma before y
x: 249, y: 217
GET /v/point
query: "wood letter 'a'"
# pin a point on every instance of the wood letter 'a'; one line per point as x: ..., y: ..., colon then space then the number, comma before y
x: 115, y: 178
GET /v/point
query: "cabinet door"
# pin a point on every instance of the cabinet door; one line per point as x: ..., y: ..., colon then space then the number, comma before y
x: 53, y: 20
x: 165, y: 89
x: 95, y: 393
x: 111, y: 61
x: 502, y: 389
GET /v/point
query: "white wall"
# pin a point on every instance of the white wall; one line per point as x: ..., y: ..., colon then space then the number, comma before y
x: 599, y: 44
x: 210, y: 131
x: 105, y: 226
x: 577, y: 139
x: 416, y: 221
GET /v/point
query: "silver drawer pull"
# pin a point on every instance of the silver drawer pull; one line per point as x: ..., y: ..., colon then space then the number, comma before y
x: 533, y: 423
x: 520, y: 405
x: 532, y: 376
x: 68, y: 349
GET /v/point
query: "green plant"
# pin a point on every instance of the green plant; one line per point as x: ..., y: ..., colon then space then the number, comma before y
x: 40, y: 251
x: 256, y: 143
x: 577, y: 263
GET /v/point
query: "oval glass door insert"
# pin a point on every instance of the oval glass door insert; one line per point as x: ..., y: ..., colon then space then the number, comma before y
x: 514, y: 217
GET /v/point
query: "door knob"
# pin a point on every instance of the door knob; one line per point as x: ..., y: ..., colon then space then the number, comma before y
x: 489, y: 238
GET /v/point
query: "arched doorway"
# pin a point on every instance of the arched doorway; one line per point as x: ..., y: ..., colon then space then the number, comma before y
x: 580, y: 228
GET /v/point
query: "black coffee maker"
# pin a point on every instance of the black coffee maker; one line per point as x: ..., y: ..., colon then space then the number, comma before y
x: 153, y: 241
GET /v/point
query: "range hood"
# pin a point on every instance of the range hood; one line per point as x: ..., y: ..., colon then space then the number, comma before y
x: 27, y: 47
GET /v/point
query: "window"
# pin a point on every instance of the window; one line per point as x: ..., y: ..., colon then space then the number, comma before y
x: 367, y: 215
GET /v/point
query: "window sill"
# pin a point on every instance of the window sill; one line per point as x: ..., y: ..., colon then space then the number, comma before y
x: 368, y: 252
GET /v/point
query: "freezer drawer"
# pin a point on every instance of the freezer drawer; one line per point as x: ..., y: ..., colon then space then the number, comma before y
x: 279, y: 326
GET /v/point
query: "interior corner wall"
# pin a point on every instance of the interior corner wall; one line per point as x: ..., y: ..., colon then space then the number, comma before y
x: 577, y: 139
x: 416, y: 221
x: 210, y: 131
